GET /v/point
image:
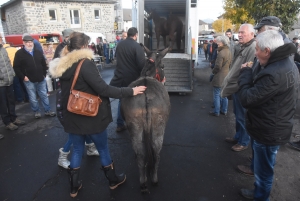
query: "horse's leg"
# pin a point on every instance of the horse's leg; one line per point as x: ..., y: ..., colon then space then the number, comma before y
x: 157, y: 142
x: 171, y: 36
x: 136, y: 134
x: 157, y: 38
x: 165, y: 41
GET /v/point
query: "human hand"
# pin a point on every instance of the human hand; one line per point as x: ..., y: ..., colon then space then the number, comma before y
x: 138, y: 90
x: 247, y: 64
x: 26, y: 79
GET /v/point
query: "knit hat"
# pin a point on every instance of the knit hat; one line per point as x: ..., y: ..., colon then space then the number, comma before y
x: 67, y: 32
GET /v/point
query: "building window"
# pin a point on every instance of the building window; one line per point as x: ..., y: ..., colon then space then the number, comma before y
x: 75, y: 18
x: 52, y: 15
x: 97, y: 14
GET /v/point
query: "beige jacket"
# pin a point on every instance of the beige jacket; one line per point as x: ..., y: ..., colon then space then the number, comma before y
x: 230, y: 83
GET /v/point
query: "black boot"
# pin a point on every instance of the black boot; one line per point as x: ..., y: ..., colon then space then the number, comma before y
x: 74, y: 181
x: 114, y: 180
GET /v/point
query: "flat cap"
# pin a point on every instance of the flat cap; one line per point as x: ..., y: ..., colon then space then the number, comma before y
x: 270, y: 20
x: 27, y: 38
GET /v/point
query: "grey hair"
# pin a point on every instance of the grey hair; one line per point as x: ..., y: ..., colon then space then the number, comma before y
x: 269, y: 39
x: 250, y: 27
x: 268, y: 27
x: 223, y: 39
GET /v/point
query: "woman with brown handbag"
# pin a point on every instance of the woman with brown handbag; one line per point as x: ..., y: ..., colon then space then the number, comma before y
x: 77, y: 125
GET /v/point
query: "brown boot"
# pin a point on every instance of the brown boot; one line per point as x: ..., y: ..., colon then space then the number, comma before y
x: 246, y: 170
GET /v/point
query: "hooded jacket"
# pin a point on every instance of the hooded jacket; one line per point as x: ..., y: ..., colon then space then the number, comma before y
x: 221, y: 67
x: 7, y: 73
x: 34, y: 67
x: 89, y: 81
x: 270, y: 97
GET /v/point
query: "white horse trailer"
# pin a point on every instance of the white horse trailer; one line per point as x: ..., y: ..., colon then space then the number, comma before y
x: 178, y: 64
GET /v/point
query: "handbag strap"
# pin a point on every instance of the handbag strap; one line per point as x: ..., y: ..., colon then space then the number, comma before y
x: 76, y: 74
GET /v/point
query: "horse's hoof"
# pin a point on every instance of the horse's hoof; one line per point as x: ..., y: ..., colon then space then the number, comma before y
x: 155, y: 183
x: 144, y: 189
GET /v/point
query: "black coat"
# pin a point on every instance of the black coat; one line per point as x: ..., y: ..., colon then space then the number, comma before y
x: 59, y: 49
x: 270, y: 97
x: 89, y: 81
x: 130, y: 62
x: 34, y: 67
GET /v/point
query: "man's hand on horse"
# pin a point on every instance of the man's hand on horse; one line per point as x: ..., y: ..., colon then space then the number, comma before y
x: 139, y: 90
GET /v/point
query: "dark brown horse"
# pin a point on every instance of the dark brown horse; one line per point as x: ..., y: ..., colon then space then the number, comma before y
x: 146, y: 117
x: 173, y: 25
x: 160, y: 30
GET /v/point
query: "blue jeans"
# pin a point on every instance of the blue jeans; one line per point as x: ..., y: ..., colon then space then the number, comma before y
x: 120, y: 120
x: 100, y: 140
x: 240, y: 125
x: 41, y: 89
x: 263, y: 163
x: 18, y: 91
x: 68, y: 144
x: 221, y: 104
x: 7, y: 104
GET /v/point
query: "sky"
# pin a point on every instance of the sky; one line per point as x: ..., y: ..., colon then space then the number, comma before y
x: 208, y: 9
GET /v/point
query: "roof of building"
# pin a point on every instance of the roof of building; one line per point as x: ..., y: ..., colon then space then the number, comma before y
x: 87, y: 1
x: 127, y: 14
x: 202, y: 22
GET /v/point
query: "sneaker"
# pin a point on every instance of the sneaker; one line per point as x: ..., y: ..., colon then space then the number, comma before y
x: 19, y: 122
x: 223, y: 113
x: 238, y: 147
x: 121, y: 128
x: 212, y: 113
x: 11, y: 126
x: 37, y: 115
x: 50, y: 113
x: 247, y: 193
x: 1, y: 136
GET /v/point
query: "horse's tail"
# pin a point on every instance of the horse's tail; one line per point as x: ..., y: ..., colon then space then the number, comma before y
x: 150, y: 158
x: 178, y: 35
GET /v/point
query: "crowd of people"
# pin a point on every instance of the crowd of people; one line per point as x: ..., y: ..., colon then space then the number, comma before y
x: 258, y: 73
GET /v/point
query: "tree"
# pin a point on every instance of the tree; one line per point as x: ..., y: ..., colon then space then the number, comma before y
x: 221, y: 25
x: 285, y: 10
x: 236, y: 13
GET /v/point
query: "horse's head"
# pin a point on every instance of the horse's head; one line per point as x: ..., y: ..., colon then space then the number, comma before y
x: 153, y: 67
x: 152, y: 14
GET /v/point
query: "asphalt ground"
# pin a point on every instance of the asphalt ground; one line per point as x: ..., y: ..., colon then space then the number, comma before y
x: 196, y: 163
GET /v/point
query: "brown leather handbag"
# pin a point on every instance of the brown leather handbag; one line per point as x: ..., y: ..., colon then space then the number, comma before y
x: 80, y: 102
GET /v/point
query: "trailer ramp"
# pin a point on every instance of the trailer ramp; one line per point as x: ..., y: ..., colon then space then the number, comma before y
x: 178, y: 72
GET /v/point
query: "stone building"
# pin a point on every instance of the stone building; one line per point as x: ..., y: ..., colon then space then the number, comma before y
x: 43, y: 16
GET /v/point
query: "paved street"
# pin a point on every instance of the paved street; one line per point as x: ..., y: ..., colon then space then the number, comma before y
x: 196, y: 163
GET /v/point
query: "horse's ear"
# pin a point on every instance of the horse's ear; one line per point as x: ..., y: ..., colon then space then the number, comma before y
x: 148, y: 52
x: 164, y: 52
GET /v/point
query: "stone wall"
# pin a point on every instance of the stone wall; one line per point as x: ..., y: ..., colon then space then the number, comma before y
x: 33, y: 17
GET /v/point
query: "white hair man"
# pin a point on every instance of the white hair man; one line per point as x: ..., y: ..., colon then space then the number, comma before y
x: 270, y: 99
x: 230, y: 85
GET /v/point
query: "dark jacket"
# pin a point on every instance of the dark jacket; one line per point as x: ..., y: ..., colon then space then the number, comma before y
x: 270, y: 98
x: 34, y: 67
x: 59, y: 49
x: 221, y: 67
x: 130, y: 62
x: 89, y: 81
